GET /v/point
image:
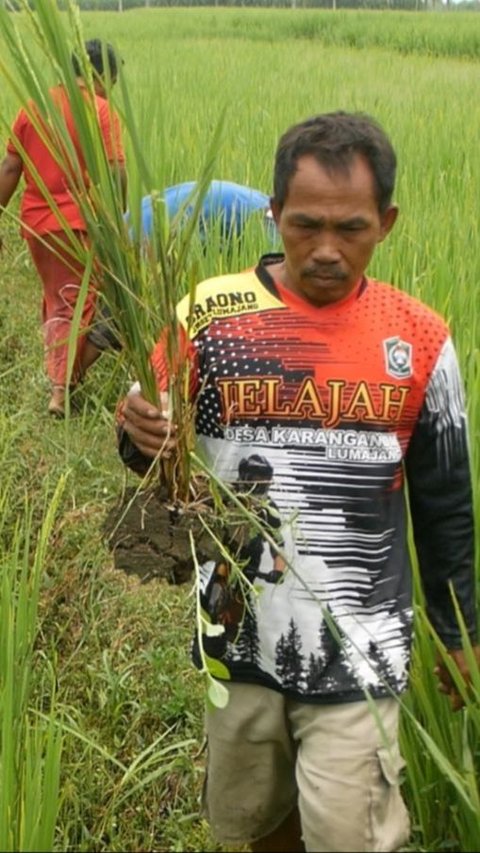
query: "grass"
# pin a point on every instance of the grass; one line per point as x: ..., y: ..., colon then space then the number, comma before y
x: 423, y: 33
x: 119, y: 650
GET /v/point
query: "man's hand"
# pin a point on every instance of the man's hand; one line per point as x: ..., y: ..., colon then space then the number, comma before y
x: 10, y: 173
x: 446, y: 683
x: 148, y: 426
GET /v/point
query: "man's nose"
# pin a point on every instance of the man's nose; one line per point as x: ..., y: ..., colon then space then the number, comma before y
x: 326, y: 249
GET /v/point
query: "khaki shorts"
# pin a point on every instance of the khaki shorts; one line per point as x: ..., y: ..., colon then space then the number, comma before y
x: 268, y: 754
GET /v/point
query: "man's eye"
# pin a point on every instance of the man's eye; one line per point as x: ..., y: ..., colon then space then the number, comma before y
x: 353, y: 226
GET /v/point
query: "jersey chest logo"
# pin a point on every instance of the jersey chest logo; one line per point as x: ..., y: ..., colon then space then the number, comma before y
x: 398, y: 357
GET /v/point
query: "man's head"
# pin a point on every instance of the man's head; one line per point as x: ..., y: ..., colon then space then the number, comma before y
x: 96, y: 50
x: 334, y: 140
x: 254, y: 474
x: 333, y: 183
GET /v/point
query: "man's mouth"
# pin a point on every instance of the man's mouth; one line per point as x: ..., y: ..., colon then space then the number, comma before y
x: 325, y: 275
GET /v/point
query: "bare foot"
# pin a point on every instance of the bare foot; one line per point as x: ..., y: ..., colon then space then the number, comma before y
x: 56, y: 405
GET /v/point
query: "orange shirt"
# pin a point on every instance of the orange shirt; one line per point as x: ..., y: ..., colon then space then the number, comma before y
x: 35, y: 210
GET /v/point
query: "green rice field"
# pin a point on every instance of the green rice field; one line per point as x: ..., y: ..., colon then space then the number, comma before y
x: 100, y: 708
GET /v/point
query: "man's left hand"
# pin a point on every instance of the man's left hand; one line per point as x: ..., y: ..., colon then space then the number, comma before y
x: 446, y: 683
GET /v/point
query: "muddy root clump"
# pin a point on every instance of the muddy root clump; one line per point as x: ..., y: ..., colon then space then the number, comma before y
x: 150, y: 537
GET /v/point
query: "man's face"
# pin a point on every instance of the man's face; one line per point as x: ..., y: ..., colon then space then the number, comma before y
x: 330, y: 225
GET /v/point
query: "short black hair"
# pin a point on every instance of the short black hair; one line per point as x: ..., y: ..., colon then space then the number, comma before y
x: 255, y: 467
x: 334, y: 139
x: 95, y: 49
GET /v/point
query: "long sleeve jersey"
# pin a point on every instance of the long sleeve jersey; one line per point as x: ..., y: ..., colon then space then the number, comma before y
x: 344, y: 405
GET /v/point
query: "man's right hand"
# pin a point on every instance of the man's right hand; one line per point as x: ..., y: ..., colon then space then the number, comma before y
x: 148, y: 426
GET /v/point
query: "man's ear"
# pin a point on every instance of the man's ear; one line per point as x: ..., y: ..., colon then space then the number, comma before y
x: 388, y: 220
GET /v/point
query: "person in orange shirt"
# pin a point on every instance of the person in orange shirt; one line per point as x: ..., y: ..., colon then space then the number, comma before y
x: 43, y: 228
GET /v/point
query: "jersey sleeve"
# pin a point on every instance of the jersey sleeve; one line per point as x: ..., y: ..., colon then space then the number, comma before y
x: 111, y: 133
x: 440, y: 496
x: 165, y: 370
x: 131, y: 456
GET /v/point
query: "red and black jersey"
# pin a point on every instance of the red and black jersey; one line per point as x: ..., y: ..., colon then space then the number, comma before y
x: 335, y: 406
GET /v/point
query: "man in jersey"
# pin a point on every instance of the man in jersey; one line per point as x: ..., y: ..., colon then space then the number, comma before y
x: 351, y: 389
